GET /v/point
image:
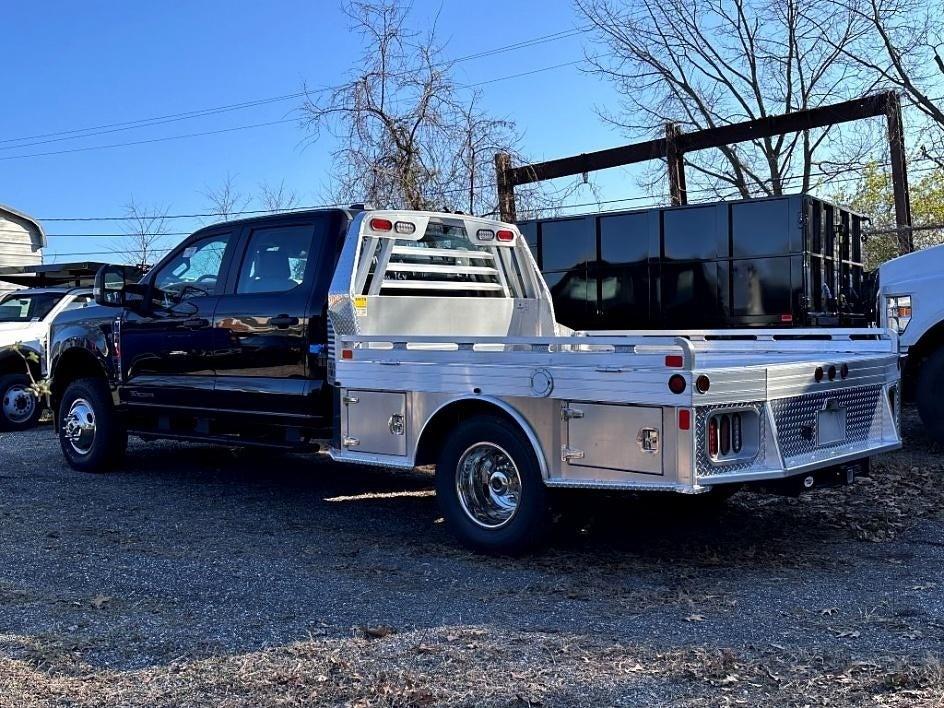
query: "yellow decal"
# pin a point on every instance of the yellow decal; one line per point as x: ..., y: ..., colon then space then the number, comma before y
x: 360, y: 304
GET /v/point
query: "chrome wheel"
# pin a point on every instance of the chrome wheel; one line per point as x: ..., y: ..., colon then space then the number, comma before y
x: 19, y: 403
x: 78, y: 426
x: 488, y: 485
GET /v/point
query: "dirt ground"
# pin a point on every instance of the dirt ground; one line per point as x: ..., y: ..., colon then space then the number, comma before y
x: 200, y: 575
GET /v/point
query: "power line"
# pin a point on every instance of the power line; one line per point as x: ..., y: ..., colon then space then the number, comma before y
x: 89, y: 148
x: 151, y: 140
x: 90, y: 131
x: 145, y: 123
x: 525, y: 73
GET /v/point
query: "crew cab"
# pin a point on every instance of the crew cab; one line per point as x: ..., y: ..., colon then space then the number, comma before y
x: 406, y: 339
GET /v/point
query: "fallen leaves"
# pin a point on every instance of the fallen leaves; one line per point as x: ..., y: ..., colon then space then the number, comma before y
x: 99, y: 601
x: 377, y: 632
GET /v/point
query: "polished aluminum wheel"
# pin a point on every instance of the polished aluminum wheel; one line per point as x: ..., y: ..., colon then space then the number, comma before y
x: 19, y: 403
x: 488, y: 485
x: 78, y: 426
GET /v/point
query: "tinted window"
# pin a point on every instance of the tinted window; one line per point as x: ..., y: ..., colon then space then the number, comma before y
x: 195, y: 270
x: 79, y: 302
x: 565, y: 244
x: 624, y: 239
x: 692, y: 234
x: 27, y: 308
x: 276, y: 259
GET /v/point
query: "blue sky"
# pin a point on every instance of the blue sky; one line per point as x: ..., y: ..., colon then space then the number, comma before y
x: 74, y: 65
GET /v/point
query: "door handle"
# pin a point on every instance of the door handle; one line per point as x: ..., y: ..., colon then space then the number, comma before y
x: 283, y: 321
x: 196, y: 323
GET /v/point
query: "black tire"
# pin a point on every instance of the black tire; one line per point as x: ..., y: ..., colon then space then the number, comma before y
x: 20, y: 408
x: 529, y: 522
x: 101, y: 450
x: 929, y: 398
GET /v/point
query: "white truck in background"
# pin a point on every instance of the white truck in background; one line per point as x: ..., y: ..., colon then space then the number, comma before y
x: 911, y: 301
x: 46, y: 291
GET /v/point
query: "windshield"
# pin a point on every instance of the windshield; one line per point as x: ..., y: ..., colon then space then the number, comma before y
x: 27, y: 308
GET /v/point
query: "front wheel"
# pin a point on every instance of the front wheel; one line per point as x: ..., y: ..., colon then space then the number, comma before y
x: 490, y: 489
x: 20, y: 407
x: 89, y: 434
x: 929, y: 399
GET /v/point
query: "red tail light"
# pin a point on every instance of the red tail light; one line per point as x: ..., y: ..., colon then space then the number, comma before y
x: 685, y: 419
x: 677, y: 383
x: 713, y: 437
x: 674, y: 361
x: 381, y: 224
x: 505, y: 235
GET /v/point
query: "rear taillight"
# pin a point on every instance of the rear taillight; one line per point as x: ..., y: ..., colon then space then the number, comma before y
x: 732, y: 436
x: 505, y: 235
x: 381, y: 224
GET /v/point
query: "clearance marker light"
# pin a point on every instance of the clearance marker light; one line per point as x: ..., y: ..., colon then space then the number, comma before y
x: 677, y: 383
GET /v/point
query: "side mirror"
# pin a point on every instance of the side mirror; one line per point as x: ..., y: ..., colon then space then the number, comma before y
x: 109, y: 287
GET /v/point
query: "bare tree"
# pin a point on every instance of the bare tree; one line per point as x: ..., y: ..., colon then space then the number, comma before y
x: 903, y: 49
x: 226, y: 200
x: 146, y: 229
x: 707, y: 63
x: 277, y: 198
x: 409, y: 136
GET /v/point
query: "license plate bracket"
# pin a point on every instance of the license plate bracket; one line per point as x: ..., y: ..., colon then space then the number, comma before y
x: 830, y: 425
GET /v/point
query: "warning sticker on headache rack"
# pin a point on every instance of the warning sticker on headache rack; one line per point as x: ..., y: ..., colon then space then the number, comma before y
x: 360, y: 304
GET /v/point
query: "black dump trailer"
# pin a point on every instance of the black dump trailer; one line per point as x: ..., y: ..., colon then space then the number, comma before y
x: 790, y: 261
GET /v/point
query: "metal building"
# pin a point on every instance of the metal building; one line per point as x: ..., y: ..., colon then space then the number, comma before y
x: 21, y: 241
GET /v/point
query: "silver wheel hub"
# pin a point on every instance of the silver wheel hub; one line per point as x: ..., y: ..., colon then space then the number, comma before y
x: 78, y: 426
x: 19, y: 403
x: 488, y: 485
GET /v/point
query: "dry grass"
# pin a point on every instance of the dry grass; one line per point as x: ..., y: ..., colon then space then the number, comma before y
x: 470, y: 666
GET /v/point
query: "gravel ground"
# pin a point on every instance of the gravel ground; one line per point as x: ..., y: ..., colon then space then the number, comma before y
x: 198, y: 574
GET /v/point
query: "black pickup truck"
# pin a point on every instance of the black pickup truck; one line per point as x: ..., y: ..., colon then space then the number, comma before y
x: 224, y: 340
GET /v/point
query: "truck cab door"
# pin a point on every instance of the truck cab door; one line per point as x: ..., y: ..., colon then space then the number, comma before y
x: 272, y: 322
x: 168, y: 352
